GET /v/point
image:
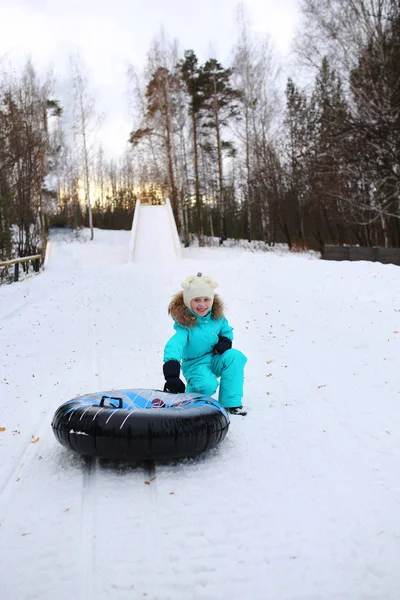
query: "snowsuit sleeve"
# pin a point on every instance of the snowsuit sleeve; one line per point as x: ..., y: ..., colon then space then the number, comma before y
x: 174, y: 347
x: 226, y: 330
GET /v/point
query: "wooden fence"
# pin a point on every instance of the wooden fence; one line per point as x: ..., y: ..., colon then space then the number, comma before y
x: 373, y: 254
x: 35, y: 260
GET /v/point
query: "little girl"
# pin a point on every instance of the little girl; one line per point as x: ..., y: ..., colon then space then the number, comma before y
x: 203, y: 344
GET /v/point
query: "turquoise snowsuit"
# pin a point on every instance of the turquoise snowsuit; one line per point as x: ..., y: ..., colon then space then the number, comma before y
x: 192, y: 345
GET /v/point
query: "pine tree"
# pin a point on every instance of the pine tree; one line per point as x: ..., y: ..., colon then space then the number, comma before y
x: 375, y: 85
x: 192, y: 77
x: 220, y: 105
x: 297, y: 120
x: 328, y: 126
x: 159, y: 122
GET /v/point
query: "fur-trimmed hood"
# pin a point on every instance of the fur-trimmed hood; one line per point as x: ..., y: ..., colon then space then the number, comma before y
x: 181, y: 314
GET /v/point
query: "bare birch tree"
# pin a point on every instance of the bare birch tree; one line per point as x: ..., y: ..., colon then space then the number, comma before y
x: 85, y: 124
x: 254, y: 75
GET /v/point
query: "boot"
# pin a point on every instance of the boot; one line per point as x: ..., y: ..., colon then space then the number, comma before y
x: 237, y: 410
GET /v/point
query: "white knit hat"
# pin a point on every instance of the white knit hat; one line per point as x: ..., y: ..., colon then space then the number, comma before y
x: 198, y: 286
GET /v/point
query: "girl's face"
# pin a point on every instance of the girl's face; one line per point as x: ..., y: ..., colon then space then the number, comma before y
x: 201, y: 305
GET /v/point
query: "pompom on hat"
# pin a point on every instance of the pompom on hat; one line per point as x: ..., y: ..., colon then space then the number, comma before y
x: 198, y: 286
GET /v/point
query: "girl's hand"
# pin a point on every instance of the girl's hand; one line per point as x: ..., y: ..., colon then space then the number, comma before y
x: 223, y: 345
x: 173, y: 384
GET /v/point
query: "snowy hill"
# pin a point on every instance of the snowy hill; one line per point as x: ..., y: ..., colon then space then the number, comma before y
x: 301, y: 501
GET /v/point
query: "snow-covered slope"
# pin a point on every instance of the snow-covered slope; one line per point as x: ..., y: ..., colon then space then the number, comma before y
x: 155, y: 237
x: 301, y: 501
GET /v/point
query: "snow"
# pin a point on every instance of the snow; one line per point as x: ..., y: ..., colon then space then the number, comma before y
x: 154, y: 235
x: 300, y: 501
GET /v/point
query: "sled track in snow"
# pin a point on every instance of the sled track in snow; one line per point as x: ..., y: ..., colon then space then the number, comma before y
x: 88, y: 522
x: 28, y: 453
x: 96, y: 519
x: 114, y: 480
x: 151, y: 471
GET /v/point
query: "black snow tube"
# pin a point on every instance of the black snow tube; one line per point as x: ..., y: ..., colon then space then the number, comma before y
x: 140, y: 424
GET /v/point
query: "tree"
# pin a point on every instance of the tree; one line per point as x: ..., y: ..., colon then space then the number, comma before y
x: 220, y: 106
x: 25, y: 157
x: 340, y: 29
x: 192, y: 78
x: 158, y: 121
x: 254, y: 75
x: 375, y: 86
x: 361, y: 40
x: 297, y: 147
x: 84, y: 127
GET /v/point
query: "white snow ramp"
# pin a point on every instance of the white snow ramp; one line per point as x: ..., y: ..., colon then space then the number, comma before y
x: 154, y: 235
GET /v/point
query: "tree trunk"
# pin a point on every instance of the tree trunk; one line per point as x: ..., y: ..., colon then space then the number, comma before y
x: 197, y: 182
x: 385, y: 230
x: 249, y: 194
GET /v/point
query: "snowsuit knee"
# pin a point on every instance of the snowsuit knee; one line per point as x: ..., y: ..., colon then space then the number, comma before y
x: 202, y: 376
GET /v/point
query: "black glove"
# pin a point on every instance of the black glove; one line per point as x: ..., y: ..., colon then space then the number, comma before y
x: 173, y: 384
x: 223, y: 345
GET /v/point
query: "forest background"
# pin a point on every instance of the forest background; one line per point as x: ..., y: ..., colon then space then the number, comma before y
x: 309, y: 162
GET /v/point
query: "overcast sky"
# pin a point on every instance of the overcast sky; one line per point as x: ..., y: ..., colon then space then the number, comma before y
x: 110, y: 34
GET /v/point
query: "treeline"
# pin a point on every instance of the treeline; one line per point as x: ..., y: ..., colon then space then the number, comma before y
x: 27, y: 154
x: 318, y: 164
x: 344, y: 135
